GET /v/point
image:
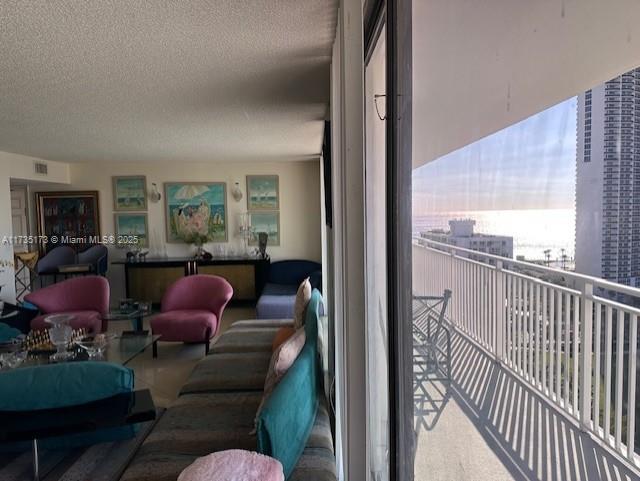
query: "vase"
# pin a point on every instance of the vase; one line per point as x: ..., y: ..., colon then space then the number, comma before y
x: 199, y: 251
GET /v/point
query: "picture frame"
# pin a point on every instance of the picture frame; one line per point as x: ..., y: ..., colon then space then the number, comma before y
x: 195, y: 209
x: 129, y: 224
x: 129, y: 193
x: 268, y: 222
x: 67, y: 218
x: 263, y: 192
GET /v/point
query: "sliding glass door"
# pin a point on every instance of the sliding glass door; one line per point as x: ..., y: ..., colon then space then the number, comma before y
x: 376, y: 262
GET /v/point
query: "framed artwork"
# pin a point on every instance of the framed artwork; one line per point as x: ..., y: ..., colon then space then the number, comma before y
x: 129, y: 193
x: 268, y: 222
x: 263, y: 192
x: 196, y: 212
x: 132, y: 225
x: 68, y: 218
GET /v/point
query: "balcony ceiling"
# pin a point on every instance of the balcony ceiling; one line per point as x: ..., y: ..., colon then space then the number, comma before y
x: 116, y: 80
x: 479, y: 67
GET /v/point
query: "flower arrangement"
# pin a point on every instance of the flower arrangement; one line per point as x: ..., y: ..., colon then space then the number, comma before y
x: 192, y: 225
x: 194, y: 238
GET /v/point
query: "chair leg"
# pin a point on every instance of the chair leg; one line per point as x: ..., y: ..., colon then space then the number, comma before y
x: 155, y: 349
x: 207, y: 341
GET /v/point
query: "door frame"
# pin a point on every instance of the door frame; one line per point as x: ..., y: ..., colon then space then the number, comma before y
x: 396, y: 16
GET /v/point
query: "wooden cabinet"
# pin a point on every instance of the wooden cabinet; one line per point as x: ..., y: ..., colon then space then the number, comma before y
x: 147, y: 280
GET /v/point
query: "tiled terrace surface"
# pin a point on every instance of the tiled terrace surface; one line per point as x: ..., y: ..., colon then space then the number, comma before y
x: 486, y: 424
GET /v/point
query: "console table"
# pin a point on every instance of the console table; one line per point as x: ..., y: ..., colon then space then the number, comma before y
x: 147, y: 280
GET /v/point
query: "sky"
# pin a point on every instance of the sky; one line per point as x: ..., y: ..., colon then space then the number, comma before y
x: 529, y: 165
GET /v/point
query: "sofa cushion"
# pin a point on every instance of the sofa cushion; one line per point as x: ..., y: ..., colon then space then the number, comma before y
x: 90, y: 320
x: 7, y: 333
x: 250, y: 323
x: 291, y: 272
x: 57, y: 385
x: 229, y: 371
x: 258, y: 339
x: 281, y: 360
x: 158, y: 466
x: 233, y: 465
x: 300, y: 305
x: 317, y: 462
x: 271, y: 289
x: 186, y: 325
x: 315, y: 465
x: 199, y: 424
x: 281, y: 336
x: 275, y: 306
x: 286, y: 419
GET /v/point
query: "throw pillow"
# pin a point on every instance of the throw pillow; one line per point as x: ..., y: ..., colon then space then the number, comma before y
x: 233, y: 465
x: 302, y: 299
x: 281, y: 360
x: 281, y: 336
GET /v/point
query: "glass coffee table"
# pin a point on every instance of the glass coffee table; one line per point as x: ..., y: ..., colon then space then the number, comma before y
x: 134, y: 315
x: 120, y: 350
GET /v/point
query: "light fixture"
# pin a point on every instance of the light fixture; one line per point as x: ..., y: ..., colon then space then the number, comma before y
x: 154, y: 195
x: 236, y: 193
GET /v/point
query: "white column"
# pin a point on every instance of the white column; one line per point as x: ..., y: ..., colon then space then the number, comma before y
x: 349, y: 247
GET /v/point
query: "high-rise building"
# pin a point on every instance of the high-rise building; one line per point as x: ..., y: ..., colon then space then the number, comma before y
x: 608, y: 180
x: 461, y: 234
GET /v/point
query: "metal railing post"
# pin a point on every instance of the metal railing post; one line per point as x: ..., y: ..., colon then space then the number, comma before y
x: 586, y: 333
x: 500, y: 314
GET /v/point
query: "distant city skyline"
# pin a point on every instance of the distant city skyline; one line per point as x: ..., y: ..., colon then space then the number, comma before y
x: 608, y: 194
x: 528, y: 165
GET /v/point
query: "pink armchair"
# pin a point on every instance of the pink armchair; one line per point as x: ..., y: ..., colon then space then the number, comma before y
x: 191, y: 310
x: 86, y: 298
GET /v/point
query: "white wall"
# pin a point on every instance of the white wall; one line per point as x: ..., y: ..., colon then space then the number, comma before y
x: 299, y: 204
x: 19, y: 167
x: 480, y: 66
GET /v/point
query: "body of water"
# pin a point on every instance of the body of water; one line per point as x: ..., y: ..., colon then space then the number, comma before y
x: 533, y: 230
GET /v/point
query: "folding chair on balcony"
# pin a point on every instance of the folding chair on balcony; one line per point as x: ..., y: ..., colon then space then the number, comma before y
x: 431, y: 336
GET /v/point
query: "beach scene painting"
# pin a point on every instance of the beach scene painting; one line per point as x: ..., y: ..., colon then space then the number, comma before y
x: 263, y: 192
x: 130, y: 193
x: 130, y: 226
x: 268, y: 222
x: 196, y: 212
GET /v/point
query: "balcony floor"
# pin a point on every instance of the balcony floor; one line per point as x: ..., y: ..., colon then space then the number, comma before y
x: 489, y: 425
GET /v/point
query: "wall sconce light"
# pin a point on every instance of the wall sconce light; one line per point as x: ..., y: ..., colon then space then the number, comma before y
x: 154, y: 195
x: 236, y: 193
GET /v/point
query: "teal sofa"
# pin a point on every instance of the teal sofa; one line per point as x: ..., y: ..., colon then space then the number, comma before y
x: 217, y: 406
x: 51, y: 386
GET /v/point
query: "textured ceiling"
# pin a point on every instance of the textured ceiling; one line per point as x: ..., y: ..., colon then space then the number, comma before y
x: 122, y: 80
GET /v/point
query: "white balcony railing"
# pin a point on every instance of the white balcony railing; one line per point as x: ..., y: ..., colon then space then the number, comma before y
x: 571, y: 337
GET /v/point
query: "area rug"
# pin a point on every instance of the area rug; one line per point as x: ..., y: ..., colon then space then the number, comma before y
x: 99, y: 462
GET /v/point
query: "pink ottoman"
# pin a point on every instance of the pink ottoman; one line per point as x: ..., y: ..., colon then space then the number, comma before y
x: 233, y: 465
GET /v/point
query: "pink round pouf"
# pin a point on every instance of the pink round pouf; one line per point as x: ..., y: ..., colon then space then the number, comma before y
x: 233, y: 465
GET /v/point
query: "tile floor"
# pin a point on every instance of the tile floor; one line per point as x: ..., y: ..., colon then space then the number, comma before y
x: 165, y: 375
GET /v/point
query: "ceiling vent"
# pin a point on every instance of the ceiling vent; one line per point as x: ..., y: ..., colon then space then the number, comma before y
x: 40, y: 168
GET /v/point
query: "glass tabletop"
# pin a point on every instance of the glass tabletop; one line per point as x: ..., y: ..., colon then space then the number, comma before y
x: 120, y: 350
x: 122, y: 315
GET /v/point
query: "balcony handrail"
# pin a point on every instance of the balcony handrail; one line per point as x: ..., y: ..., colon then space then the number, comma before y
x: 511, y: 272
x: 587, y: 279
x: 559, y: 340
